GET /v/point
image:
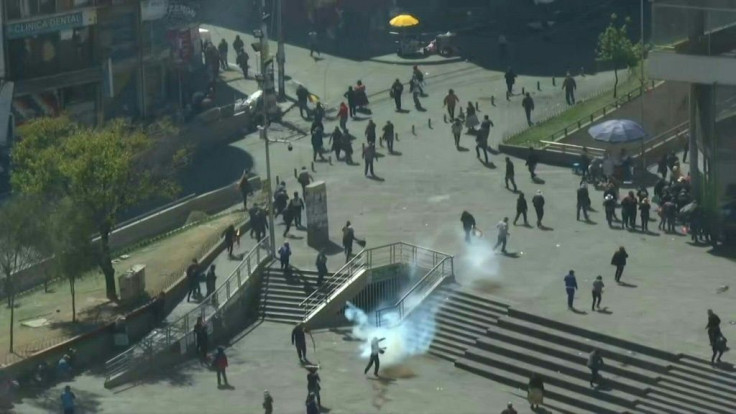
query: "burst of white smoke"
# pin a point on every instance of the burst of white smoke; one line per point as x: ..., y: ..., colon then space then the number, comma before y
x: 406, y: 338
x: 477, y: 260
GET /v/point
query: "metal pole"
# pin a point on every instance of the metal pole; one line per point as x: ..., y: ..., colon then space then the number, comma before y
x: 269, y: 191
x: 280, y: 56
x: 641, y: 95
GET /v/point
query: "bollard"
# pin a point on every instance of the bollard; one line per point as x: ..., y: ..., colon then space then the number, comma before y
x: 330, y: 159
x: 461, y: 115
x: 444, y: 119
x: 476, y: 106
x: 278, y: 180
x: 413, y: 131
x: 523, y: 91
x: 396, y: 135
x: 493, y: 100
x: 582, y: 71
x: 554, y: 82
x: 539, y: 87
x: 313, y: 170
x: 429, y: 122
x: 295, y: 173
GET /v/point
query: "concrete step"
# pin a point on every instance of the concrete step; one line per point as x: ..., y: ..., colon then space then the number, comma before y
x: 461, y: 315
x: 584, y: 344
x: 468, y: 330
x: 269, y: 301
x: 458, y: 331
x: 684, y: 404
x: 691, y: 398
x: 595, y: 336
x: 563, y: 367
x: 711, y: 374
x: 583, y: 402
x: 475, y: 302
x: 717, y: 394
x: 458, y: 290
x: 571, y: 355
x: 270, y: 295
x: 454, y: 303
x: 291, y: 310
x: 703, y: 381
x: 552, y: 377
x: 449, y: 353
x: 290, y: 286
x: 655, y: 407
x: 276, y: 315
x: 724, y: 370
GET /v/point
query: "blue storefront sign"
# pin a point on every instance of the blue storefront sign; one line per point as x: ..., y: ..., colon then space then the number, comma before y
x: 17, y: 30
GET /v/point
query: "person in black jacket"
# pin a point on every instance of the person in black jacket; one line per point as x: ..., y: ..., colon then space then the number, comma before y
x: 510, y: 174
x: 535, y: 391
x: 538, y: 203
x: 396, y: 89
x: 644, y: 208
x: 468, y: 224
x: 583, y: 202
x: 299, y: 340
x: 350, y: 96
x: 619, y: 260
x: 302, y: 94
x: 521, y: 209
x: 531, y: 162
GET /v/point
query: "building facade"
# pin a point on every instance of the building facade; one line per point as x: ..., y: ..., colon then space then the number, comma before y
x: 96, y: 59
x: 695, y: 41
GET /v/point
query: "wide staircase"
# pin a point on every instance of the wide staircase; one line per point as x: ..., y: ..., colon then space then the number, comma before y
x: 486, y: 337
x: 283, y: 292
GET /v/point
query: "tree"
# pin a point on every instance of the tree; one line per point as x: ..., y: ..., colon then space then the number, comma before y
x: 19, y: 232
x: 614, y: 46
x: 101, y: 171
x: 69, y: 242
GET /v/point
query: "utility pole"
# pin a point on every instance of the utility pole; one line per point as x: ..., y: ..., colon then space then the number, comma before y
x: 642, y: 91
x: 266, y: 100
x: 280, y: 56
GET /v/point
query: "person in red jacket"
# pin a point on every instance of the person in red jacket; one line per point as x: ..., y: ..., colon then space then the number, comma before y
x: 342, y: 115
x: 220, y: 364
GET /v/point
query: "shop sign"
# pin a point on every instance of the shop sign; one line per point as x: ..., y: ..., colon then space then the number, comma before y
x: 17, y: 30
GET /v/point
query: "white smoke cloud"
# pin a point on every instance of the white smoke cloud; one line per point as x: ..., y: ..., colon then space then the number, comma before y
x: 477, y: 260
x: 404, y: 339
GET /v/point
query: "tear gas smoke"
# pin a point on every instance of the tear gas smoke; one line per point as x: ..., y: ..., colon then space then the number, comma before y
x: 404, y: 339
x: 477, y: 260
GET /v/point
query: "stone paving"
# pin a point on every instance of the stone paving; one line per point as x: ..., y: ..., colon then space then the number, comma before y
x: 418, y: 198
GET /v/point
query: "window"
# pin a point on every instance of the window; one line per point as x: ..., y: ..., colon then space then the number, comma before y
x: 19, y: 9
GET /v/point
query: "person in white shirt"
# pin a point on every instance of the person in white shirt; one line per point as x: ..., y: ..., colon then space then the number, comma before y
x: 375, y: 351
x: 503, y: 234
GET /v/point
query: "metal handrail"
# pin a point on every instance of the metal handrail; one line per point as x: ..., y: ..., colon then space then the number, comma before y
x: 212, y: 305
x: 428, y: 278
x: 592, y: 117
x: 367, y: 259
x: 577, y: 148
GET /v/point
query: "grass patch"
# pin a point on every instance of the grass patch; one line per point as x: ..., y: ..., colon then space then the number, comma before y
x: 568, y: 119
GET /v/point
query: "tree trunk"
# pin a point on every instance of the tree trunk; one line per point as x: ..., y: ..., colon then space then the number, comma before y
x: 106, y: 265
x: 615, y: 83
x: 11, y: 300
x: 74, y: 299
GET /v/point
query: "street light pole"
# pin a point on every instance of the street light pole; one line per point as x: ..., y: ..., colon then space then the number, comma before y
x: 280, y: 56
x: 641, y: 86
x: 269, y: 190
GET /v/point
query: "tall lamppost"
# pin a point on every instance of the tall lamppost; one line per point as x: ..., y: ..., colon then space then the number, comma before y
x: 269, y: 190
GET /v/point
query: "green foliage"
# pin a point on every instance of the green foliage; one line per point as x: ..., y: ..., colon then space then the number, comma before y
x: 20, y: 233
x: 614, y: 46
x: 100, y: 171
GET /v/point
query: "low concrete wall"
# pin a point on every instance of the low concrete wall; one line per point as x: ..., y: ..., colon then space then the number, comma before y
x: 239, y: 314
x: 147, y: 227
x: 97, y: 346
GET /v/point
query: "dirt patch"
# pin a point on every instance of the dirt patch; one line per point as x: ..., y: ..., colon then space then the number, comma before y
x: 165, y: 262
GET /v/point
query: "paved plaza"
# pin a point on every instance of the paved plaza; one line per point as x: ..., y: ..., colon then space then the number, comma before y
x: 418, y: 198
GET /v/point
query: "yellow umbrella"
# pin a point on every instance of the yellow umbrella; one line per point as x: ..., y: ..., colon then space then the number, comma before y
x: 404, y: 20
